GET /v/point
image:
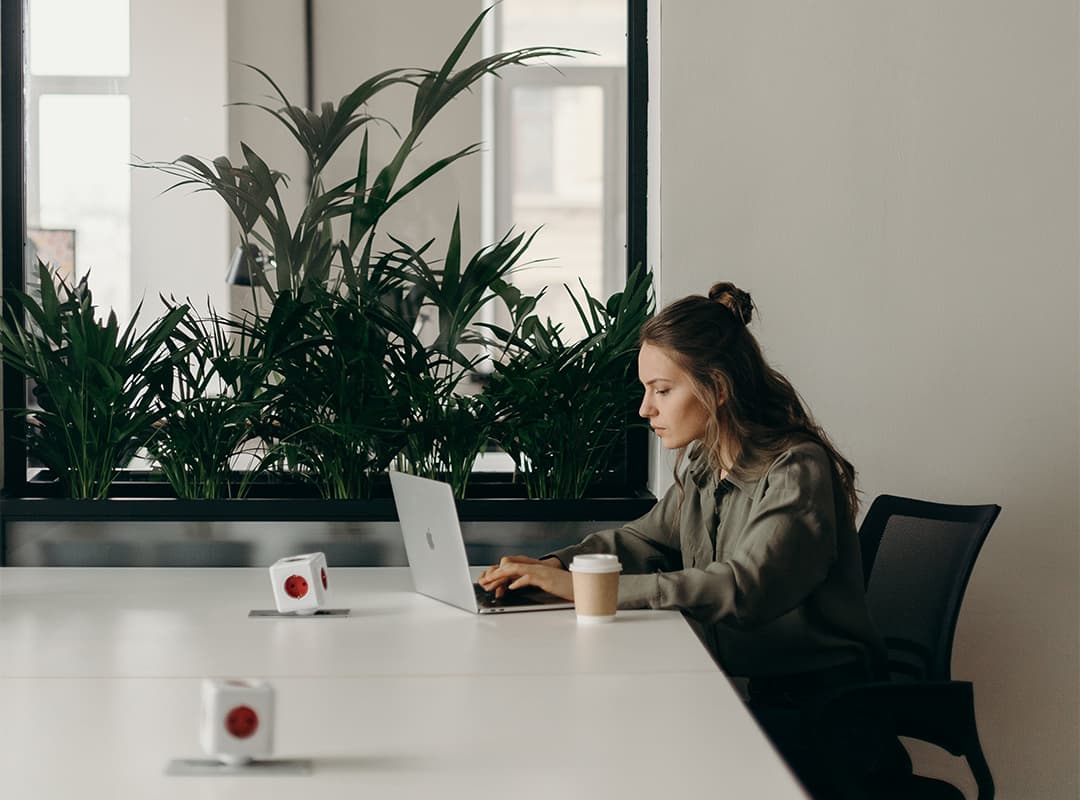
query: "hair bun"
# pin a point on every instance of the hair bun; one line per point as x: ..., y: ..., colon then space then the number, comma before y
x: 737, y: 301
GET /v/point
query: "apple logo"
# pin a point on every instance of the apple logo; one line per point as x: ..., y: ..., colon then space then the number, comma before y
x: 430, y: 539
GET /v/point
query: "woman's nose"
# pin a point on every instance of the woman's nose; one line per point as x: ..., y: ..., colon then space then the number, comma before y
x: 646, y: 409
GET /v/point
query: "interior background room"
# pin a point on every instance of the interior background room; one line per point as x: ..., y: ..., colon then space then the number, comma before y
x: 896, y: 183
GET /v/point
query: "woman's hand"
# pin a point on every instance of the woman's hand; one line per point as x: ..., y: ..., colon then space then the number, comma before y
x: 513, y: 572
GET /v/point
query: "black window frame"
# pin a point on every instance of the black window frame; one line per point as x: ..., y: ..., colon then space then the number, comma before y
x: 13, y: 15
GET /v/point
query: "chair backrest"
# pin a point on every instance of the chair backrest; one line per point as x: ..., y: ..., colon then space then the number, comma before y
x: 917, y: 558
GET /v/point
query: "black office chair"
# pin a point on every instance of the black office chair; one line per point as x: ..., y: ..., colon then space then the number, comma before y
x: 917, y: 558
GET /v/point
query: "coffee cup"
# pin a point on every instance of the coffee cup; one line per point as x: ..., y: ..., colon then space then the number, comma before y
x: 596, y: 586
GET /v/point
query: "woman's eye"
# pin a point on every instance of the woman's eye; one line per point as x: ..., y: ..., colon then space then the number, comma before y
x: 662, y: 392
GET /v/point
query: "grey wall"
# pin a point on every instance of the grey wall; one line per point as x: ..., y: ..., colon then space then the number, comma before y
x: 269, y: 35
x: 358, y: 40
x: 179, y: 240
x: 896, y: 185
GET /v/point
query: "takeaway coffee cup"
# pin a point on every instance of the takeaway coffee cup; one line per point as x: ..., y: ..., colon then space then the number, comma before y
x: 596, y: 587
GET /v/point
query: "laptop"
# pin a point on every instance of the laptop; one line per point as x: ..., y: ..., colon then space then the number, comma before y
x: 436, y: 552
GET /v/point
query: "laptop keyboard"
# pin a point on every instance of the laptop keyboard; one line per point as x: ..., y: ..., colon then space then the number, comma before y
x: 525, y: 596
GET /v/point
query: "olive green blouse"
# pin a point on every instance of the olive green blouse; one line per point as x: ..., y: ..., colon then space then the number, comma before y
x: 768, y: 566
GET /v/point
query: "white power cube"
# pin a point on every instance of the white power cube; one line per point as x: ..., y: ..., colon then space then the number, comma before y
x: 237, y: 719
x: 300, y: 583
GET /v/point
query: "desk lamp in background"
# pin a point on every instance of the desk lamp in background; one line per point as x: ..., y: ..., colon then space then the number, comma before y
x: 239, y: 273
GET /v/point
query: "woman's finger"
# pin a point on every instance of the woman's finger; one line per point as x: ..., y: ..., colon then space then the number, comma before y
x: 492, y: 580
x: 524, y: 580
x: 501, y: 575
x: 506, y: 560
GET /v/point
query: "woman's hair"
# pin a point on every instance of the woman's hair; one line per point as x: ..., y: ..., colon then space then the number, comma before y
x: 763, y: 415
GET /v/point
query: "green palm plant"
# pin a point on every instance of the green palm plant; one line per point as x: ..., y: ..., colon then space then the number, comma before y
x: 332, y: 414
x: 458, y: 294
x: 99, y: 390
x: 207, y: 419
x: 561, y: 406
x: 444, y: 430
x: 445, y: 435
x: 320, y: 366
x: 447, y: 429
x: 345, y: 381
x: 304, y: 253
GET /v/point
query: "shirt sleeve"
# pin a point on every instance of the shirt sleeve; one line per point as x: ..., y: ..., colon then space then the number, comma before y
x: 786, y: 551
x: 647, y: 544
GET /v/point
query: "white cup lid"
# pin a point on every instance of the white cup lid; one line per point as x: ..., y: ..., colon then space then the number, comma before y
x: 596, y: 562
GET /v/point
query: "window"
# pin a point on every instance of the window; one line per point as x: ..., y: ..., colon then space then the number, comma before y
x: 559, y: 148
x: 105, y: 88
x: 78, y: 119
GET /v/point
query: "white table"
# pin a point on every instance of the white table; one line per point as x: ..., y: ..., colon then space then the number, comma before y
x: 404, y: 698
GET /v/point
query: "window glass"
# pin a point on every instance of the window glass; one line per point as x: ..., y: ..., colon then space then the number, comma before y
x: 596, y: 25
x: 112, y: 82
x: 560, y: 150
x: 79, y: 37
x: 557, y: 185
x: 90, y: 194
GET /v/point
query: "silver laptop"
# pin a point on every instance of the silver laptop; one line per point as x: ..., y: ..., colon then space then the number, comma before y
x: 436, y: 552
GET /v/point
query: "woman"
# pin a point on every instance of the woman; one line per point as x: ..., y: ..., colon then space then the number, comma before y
x: 756, y: 540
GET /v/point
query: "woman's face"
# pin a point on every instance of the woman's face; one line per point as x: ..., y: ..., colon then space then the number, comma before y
x: 674, y: 413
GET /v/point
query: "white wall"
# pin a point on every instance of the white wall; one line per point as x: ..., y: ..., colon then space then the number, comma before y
x: 896, y: 185
x: 358, y: 40
x: 268, y: 34
x: 179, y: 240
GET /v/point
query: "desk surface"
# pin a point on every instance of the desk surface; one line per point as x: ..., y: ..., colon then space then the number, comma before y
x: 405, y: 697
